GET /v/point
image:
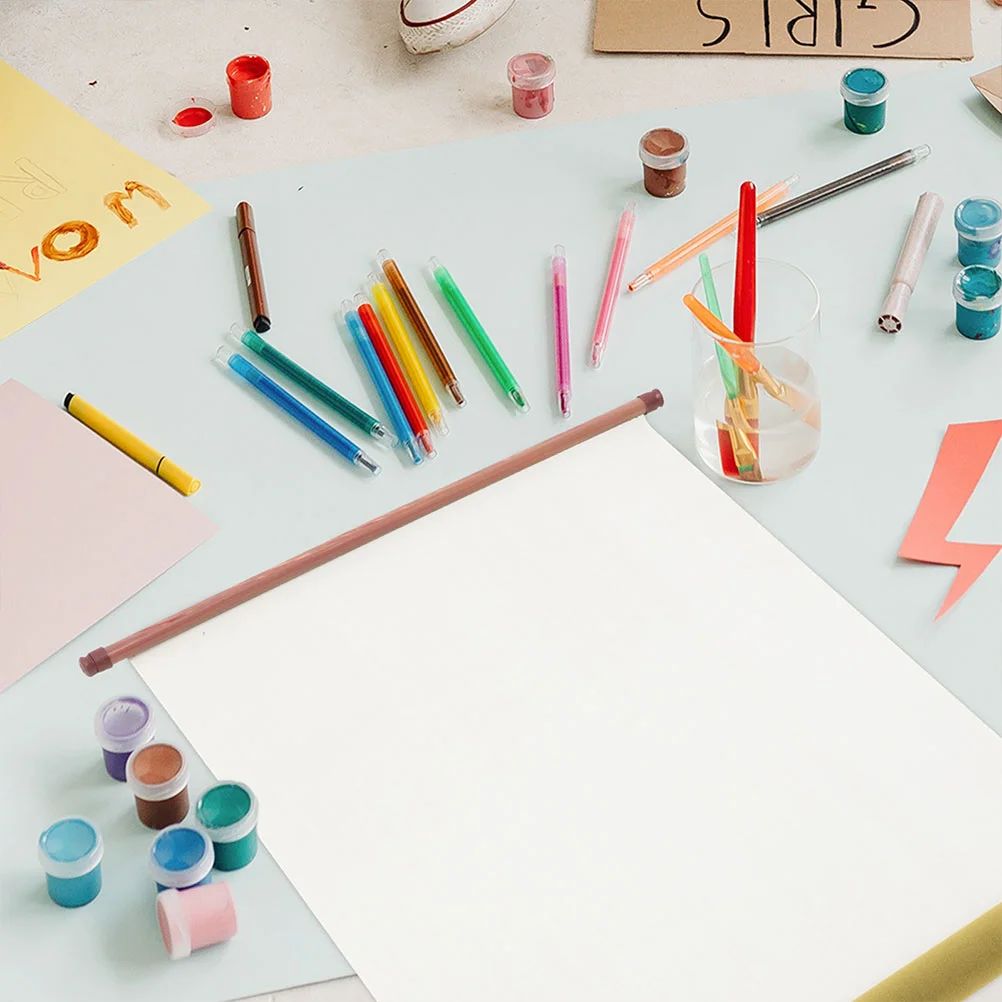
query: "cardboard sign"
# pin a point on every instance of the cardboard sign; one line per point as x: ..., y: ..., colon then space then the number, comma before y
x: 989, y: 85
x: 907, y: 29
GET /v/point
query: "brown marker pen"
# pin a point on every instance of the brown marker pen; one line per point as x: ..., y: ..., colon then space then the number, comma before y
x: 247, y: 239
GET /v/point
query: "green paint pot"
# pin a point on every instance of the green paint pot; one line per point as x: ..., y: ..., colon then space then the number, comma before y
x: 228, y: 813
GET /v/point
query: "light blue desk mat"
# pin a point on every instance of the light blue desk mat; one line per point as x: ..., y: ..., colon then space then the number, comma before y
x: 138, y: 345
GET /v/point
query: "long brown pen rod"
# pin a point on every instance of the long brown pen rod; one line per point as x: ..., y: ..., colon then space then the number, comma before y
x: 421, y: 327
x: 104, y: 657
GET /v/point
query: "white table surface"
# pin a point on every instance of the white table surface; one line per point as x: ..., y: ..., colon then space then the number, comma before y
x: 345, y: 86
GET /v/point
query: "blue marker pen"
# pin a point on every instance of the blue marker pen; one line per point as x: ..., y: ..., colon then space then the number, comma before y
x: 378, y: 375
x: 313, y: 422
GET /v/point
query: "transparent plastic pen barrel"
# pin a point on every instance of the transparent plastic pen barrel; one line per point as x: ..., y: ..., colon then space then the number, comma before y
x: 398, y: 381
x: 380, y: 380
x: 613, y: 284
x: 475, y: 330
x: 561, y: 334
x: 766, y: 200
x: 315, y: 387
x: 394, y: 325
x: 267, y: 387
x: 421, y: 327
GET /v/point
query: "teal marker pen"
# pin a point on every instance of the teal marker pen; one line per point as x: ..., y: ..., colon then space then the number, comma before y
x: 312, y: 422
x: 316, y: 388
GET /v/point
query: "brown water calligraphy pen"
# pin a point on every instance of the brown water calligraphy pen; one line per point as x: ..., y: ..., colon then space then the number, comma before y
x: 421, y: 327
x: 253, y: 275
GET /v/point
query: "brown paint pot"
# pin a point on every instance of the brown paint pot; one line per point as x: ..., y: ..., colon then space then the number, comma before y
x: 664, y: 153
x: 158, y: 777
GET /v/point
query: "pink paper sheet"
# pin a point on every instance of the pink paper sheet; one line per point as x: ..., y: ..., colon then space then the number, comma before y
x: 962, y: 459
x: 82, y: 528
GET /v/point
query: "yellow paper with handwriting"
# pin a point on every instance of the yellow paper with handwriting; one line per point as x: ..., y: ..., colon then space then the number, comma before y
x: 74, y: 204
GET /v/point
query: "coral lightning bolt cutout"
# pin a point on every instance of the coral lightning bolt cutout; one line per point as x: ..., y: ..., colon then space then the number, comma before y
x: 962, y: 459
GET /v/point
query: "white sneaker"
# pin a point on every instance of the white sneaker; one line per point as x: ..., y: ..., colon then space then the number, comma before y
x: 434, y: 25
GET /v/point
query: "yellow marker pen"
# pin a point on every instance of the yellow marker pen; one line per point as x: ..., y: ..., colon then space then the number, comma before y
x: 394, y: 325
x: 135, y: 448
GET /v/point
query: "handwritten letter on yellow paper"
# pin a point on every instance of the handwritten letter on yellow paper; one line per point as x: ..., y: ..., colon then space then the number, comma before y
x: 74, y: 204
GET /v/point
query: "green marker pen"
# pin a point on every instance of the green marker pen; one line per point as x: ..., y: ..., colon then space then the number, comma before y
x: 477, y: 334
x: 319, y: 390
x: 741, y: 443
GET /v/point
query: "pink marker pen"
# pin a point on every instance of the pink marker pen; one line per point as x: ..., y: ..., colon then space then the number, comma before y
x: 613, y: 283
x: 561, y: 334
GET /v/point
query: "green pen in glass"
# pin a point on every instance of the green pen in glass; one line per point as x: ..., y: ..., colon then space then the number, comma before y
x: 728, y: 370
x: 478, y: 335
x: 319, y: 390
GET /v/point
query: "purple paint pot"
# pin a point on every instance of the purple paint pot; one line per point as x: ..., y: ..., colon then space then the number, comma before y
x: 122, y: 725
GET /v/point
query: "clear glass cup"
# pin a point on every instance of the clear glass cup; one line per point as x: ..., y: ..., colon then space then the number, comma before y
x: 764, y: 427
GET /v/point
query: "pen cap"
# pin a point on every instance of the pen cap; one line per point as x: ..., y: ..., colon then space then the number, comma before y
x: 891, y: 317
x: 245, y: 217
x: 168, y: 470
x: 223, y: 355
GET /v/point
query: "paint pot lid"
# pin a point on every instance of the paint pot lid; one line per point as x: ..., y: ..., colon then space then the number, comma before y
x: 194, y: 116
x: 246, y: 69
x: 181, y: 855
x: 70, y: 847
x: 227, y: 811
x: 156, y: 772
x: 979, y: 218
x: 124, y: 724
x: 865, y: 87
x: 531, y: 71
x: 664, y: 149
x: 978, y: 288
x: 173, y: 921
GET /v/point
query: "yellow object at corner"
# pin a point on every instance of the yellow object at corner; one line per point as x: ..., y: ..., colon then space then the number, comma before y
x: 135, y: 448
x: 952, y: 970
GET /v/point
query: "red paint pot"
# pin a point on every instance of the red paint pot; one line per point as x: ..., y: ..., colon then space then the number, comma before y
x: 249, y: 78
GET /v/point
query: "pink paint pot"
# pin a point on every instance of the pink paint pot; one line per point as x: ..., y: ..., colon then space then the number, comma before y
x: 531, y: 75
x: 196, y: 918
x: 249, y: 78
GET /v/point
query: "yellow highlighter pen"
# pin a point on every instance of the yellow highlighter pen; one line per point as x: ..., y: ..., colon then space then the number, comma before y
x: 394, y: 325
x: 135, y: 448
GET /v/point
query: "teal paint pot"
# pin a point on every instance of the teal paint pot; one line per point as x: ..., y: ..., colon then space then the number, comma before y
x: 978, y: 292
x: 864, y: 95
x: 70, y: 851
x: 228, y: 813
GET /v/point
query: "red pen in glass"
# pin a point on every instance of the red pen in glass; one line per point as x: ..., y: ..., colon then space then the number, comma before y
x: 745, y: 300
x: 395, y: 374
x: 744, y: 274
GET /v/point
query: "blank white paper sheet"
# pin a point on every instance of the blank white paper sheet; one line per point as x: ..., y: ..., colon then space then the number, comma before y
x: 593, y: 734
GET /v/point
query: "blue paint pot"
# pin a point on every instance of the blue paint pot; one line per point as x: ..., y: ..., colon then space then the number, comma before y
x: 181, y: 856
x: 864, y: 96
x: 122, y: 725
x: 979, y: 232
x: 70, y: 851
x: 228, y: 812
x: 978, y: 292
